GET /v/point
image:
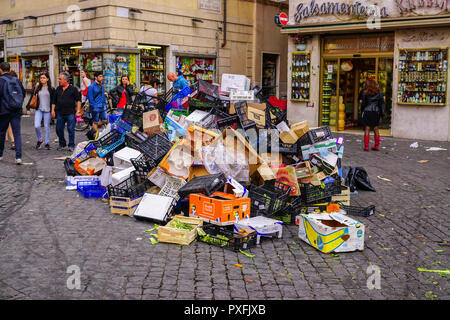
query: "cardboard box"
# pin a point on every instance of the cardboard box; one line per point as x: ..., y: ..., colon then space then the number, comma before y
x: 289, y: 137
x: 197, y: 171
x: 257, y: 113
x: 151, y: 122
x: 334, y: 232
x: 220, y: 208
x: 288, y: 176
x: 344, y: 197
x: 300, y: 128
x: 234, y: 82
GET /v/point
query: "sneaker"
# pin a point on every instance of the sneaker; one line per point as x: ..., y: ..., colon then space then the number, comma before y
x: 60, y: 148
x: 18, y: 161
x: 38, y: 144
x: 47, y: 146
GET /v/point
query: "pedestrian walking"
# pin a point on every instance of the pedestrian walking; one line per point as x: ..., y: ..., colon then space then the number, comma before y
x: 373, y: 109
x: 45, y: 94
x: 12, y: 94
x: 85, y: 83
x: 66, y: 105
x: 123, y: 93
x: 179, y: 82
x: 150, y: 91
x: 97, y: 101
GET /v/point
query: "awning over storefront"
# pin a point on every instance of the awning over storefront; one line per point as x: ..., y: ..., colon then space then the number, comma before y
x: 358, y: 26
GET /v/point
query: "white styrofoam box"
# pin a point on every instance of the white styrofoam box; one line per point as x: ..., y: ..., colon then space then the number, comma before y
x: 71, y: 181
x: 122, y: 158
x: 196, y: 117
x: 154, y: 207
x: 240, y: 95
x: 122, y: 175
x: 234, y: 81
x: 262, y: 225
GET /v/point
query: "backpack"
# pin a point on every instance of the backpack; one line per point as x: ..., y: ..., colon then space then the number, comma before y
x: 12, y: 95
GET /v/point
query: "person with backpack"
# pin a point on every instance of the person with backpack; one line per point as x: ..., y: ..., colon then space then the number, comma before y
x: 65, y: 107
x: 97, y: 100
x: 44, y: 93
x: 12, y: 94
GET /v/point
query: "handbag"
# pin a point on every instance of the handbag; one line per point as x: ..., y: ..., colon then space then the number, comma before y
x: 33, y: 101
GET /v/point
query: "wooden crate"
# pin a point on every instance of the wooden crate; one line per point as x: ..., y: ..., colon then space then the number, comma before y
x: 123, y: 211
x: 124, y: 202
x: 344, y: 197
x: 179, y: 236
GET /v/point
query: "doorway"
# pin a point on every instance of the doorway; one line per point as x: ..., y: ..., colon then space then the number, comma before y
x: 269, y: 74
x: 346, y: 76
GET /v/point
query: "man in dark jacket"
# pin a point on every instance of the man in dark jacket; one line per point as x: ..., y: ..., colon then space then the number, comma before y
x: 67, y: 105
x: 9, y: 115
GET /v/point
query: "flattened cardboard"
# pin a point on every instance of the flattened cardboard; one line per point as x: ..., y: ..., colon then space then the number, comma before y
x: 334, y: 232
x: 288, y: 176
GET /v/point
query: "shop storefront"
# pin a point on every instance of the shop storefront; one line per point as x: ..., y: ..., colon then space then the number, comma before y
x: 406, y: 53
x: 69, y: 61
x: 15, y: 65
x: 153, y: 65
x: 196, y: 67
x: 34, y: 63
x: 343, y: 75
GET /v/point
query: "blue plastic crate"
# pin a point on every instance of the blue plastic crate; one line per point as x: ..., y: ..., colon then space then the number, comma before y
x: 103, y: 151
x: 177, y: 100
x: 114, y: 117
x: 91, y: 189
x: 85, y: 153
x: 122, y: 126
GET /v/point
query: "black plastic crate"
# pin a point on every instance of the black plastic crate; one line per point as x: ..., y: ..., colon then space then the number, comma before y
x: 241, y: 111
x: 143, y: 163
x: 231, y: 121
x: 207, y: 92
x: 133, y: 115
x: 206, y: 185
x: 155, y: 147
x: 358, y: 211
x: 268, y: 199
x: 133, y: 187
x: 70, y: 168
x: 311, y: 193
x: 315, y: 135
x: 108, y: 139
x: 226, y: 238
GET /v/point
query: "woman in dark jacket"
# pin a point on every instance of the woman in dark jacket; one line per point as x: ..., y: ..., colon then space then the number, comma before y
x: 123, y: 93
x: 45, y: 98
x: 372, y: 107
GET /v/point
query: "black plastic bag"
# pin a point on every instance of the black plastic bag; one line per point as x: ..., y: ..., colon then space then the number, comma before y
x: 357, y: 179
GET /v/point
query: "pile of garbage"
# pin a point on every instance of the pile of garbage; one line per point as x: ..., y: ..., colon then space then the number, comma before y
x: 221, y: 165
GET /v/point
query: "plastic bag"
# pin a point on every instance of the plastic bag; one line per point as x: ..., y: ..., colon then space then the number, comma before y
x: 217, y: 159
x: 357, y: 179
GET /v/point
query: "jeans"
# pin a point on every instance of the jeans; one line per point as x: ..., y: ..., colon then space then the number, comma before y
x: 60, y: 125
x: 5, y: 120
x: 37, y: 125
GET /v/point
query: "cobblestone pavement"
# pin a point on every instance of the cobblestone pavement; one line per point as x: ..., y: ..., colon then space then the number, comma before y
x: 44, y: 229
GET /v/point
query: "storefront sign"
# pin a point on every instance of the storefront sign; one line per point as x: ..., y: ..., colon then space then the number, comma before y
x: 356, y: 9
x: 213, y: 5
x: 411, y: 5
